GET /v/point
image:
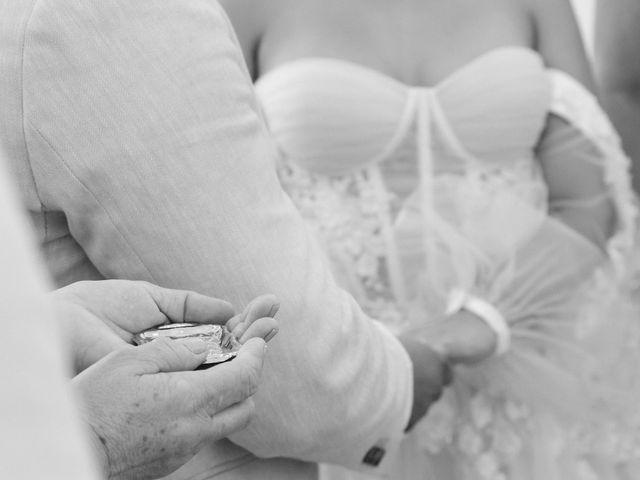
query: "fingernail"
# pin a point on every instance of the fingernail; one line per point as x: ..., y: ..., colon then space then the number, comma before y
x: 274, y: 309
x: 195, y: 345
x: 271, y: 334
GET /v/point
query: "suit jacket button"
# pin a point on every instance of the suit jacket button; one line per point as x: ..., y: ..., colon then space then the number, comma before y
x: 374, y: 456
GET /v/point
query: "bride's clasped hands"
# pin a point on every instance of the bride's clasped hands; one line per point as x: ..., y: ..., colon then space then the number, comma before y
x: 460, y: 338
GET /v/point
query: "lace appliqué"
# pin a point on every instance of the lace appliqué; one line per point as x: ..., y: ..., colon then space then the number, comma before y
x: 484, y: 431
x: 347, y: 214
x: 521, y: 176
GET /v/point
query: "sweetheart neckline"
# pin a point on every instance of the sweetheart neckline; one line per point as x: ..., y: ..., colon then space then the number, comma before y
x: 455, y: 73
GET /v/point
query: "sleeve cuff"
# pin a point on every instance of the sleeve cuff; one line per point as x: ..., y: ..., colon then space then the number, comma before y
x: 379, y: 456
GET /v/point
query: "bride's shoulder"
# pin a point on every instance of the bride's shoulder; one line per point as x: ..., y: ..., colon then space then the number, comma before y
x: 558, y: 38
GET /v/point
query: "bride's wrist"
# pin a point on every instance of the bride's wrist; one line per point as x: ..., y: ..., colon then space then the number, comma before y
x: 461, y: 304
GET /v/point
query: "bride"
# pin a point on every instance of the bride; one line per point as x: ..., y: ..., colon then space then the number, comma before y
x: 454, y: 163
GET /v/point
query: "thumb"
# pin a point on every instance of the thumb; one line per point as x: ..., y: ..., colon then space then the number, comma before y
x: 166, y: 355
x: 253, y: 352
x: 233, y: 382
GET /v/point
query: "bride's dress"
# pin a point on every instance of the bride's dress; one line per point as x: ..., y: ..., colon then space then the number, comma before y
x: 414, y: 192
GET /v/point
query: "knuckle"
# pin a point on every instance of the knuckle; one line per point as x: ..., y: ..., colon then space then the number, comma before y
x: 168, y: 352
x: 250, y: 381
x: 240, y: 420
x: 247, y: 414
x: 250, y: 408
x: 169, y: 347
x: 145, y: 284
x: 148, y: 287
x: 162, y: 342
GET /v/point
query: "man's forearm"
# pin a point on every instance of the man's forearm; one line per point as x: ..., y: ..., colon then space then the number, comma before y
x: 431, y: 374
x: 210, y: 214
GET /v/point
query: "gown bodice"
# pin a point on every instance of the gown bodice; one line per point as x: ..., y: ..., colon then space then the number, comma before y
x: 332, y: 116
x: 362, y: 151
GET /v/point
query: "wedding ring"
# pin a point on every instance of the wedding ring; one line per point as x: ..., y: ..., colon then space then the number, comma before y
x: 222, y: 345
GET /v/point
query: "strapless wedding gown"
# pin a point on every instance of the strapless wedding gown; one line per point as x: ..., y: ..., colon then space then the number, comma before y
x: 414, y: 192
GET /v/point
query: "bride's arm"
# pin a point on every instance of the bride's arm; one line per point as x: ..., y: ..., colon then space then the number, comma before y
x: 557, y: 257
x: 574, y: 175
x: 572, y: 165
x: 210, y: 214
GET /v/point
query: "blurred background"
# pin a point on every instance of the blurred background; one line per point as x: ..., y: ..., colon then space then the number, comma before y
x: 585, y: 10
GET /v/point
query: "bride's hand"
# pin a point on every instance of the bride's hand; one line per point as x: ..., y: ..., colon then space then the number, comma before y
x: 463, y: 338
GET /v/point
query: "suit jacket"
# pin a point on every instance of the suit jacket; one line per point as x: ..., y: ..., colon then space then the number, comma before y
x: 132, y: 128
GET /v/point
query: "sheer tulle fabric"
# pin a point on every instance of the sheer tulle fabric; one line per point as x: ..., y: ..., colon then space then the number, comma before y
x: 416, y: 191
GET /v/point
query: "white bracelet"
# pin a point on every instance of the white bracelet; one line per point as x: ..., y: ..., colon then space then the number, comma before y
x: 455, y: 302
x: 460, y: 300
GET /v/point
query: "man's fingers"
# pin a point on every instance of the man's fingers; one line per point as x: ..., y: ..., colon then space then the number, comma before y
x: 181, y: 306
x: 265, y: 328
x: 232, y: 419
x: 262, y: 306
x: 235, y: 381
x: 203, y: 309
x: 164, y: 355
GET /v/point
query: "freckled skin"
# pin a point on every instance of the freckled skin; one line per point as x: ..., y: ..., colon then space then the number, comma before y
x: 163, y: 433
x: 149, y: 412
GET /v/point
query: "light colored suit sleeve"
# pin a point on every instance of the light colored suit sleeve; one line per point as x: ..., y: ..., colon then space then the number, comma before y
x: 41, y: 435
x: 142, y: 128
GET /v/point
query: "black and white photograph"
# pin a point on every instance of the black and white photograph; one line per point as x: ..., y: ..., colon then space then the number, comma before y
x: 320, y: 239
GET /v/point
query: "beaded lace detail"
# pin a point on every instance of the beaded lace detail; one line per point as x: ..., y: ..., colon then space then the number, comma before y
x: 351, y: 216
x: 348, y: 215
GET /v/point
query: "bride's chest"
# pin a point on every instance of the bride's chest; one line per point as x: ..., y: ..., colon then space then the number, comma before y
x: 416, y: 42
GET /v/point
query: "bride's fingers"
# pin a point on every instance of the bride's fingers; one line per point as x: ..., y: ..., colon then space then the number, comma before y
x: 468, y: 339
x: 265, y: 328
x: 263, y: 306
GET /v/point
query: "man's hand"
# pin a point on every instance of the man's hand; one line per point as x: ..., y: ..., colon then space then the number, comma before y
x: 149, y: 413
x: 148, y: 410
x: 98, y: 318
x: 431, y: 374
